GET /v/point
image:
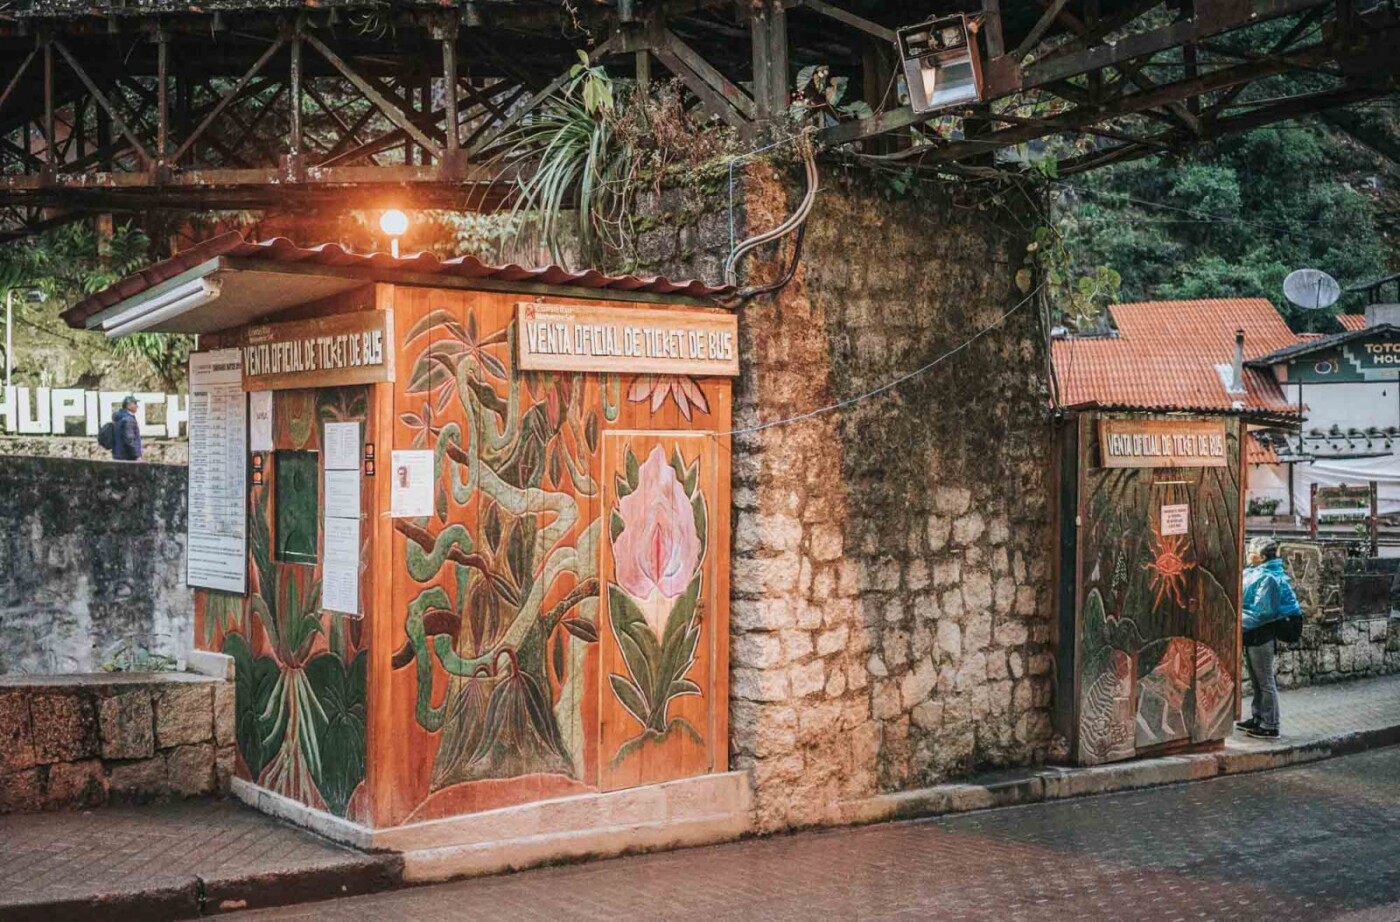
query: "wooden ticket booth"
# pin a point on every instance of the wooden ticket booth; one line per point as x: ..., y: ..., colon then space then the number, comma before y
x: 463, y: 529
x: 1150, y: 528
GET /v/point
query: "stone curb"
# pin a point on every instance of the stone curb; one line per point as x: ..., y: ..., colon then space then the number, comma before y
x: 194, y: 897
x: 156, y: 904
x: 354, y: 877
x: 1063, y: 783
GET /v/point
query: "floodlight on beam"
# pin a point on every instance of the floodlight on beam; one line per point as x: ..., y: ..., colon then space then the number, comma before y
x: 941, y: 64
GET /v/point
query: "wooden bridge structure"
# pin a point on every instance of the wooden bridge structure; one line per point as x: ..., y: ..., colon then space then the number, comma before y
x: 275, y: 104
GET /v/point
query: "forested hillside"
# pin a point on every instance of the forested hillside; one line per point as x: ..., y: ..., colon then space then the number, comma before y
x: 1236, y: 217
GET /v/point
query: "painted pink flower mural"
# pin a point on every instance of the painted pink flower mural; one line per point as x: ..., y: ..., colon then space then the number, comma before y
x: 658, y: 551
x: 658, y: 529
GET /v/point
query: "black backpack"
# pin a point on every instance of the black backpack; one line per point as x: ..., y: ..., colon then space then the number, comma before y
x: 1289, y: 630
x: 107, y: 436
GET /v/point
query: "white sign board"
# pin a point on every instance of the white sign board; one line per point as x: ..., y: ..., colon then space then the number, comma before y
x: 412, y: 493
x: 1176, y: 520
x: 260, y: 421
x: 340, y: 572
x: 216, y: 555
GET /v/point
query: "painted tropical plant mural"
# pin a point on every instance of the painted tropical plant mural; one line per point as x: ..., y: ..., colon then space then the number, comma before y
x: 300, y: 696
x: 658, y: 530
x: 507, y: 565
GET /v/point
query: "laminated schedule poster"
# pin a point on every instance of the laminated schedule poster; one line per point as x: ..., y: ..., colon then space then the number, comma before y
x: 340, y: 525
x: 216, y: 555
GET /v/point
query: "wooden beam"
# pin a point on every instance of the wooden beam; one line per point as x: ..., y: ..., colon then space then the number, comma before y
x: 991, y: 28
x: 1038, y: 30
x: 601, y: 50
x: 19, y: 73
x: 1142, y: 44
x: 227, y: 98
x: 391, y: 111
x: 1098, y: 29
x: 851, y: 19
x: 104, y: 102
x: 722, y: 97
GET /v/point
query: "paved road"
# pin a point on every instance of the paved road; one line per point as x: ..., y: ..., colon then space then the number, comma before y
x: 1313, y: 842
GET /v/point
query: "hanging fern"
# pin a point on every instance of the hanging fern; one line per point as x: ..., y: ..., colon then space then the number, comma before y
x: 570, y: 158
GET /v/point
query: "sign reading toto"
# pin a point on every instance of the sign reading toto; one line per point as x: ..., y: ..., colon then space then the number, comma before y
x: 556, y: 337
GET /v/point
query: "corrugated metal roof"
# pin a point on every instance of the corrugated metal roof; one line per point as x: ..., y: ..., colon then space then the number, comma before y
x: 1166, y: 356
x: 333, y: 256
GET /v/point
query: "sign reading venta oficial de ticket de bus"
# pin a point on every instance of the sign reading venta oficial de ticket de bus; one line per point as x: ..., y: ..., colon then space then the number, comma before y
x: 329, y: 351
x: 556, y: 337
x: 1162, y: 442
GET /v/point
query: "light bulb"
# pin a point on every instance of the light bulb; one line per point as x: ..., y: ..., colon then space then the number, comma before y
x: 393, y: 222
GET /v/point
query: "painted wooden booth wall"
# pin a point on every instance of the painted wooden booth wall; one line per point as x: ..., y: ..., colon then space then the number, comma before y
x: 301, y: 709
x: 558, y: 625
x: 1155, y: 658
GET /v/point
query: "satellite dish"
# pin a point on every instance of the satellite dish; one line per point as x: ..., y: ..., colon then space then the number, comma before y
x: 1311, y: 289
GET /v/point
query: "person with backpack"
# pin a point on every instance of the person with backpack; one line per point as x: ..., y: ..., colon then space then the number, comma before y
x: 1271, y: 613
x: 122, y: 436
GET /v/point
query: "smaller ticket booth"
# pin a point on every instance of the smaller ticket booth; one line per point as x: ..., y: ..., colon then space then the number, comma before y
x: 463, y: 529
x: 1150, y: 533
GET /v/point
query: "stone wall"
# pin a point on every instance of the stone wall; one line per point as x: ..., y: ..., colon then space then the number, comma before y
x: 86, y: 741
x: 891, y: 593
x: 91, y: 560
x: 153, y: 451
x: 1335, y: 651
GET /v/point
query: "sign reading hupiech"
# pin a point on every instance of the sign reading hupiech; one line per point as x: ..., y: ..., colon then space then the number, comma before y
x: 354, y: 348
x: 556, y: 337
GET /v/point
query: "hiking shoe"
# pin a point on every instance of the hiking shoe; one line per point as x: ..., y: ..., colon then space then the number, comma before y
x: 1247, y: 725
x: 1260, y: 733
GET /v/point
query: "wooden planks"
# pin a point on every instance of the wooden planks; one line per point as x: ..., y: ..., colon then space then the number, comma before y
x: 540, y: 452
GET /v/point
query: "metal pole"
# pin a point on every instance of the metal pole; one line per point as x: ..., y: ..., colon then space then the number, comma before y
x: 9, y: 340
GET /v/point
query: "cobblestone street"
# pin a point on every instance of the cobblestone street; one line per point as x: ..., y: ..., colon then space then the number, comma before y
x: 1312, y: 842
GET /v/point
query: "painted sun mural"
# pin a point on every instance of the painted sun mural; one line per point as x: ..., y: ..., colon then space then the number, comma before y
x: 1159, y: 612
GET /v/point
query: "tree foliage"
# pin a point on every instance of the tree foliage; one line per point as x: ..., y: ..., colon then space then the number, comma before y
x: 73, y: 261
x: 1232, y: 219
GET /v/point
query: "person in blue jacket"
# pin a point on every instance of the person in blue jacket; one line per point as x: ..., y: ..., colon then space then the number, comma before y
x: 1268, y: 601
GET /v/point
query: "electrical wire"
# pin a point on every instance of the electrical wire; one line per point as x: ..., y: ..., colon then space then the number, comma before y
x: 889, y: 385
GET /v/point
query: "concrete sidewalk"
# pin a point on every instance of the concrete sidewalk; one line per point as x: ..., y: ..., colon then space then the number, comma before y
x: 1318, y: 722
x: 174, y: 861
x: 201, y: 857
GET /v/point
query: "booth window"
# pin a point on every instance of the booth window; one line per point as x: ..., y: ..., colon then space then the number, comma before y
x: 298, y: 506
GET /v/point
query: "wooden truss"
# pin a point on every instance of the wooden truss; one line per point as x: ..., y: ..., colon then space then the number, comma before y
x: 165, y: 105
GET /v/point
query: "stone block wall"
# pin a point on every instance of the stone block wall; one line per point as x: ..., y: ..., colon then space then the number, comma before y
x: 891, y: 574
x: 86, y: 741
x: 1336, y: 651
x: 91, y: 559
x: 154, y: 451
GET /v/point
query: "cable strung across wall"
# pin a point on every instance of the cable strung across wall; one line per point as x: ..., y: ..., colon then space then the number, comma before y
x: 888, y: 385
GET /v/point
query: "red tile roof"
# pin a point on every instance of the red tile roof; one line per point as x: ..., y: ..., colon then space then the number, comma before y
x: 1352, y: 321
x: 1165, y: 358
x: 332, y: 255
x: 1256, y: 452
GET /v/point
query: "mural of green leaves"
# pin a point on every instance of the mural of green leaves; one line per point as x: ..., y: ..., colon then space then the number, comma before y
x: 300, y: 706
